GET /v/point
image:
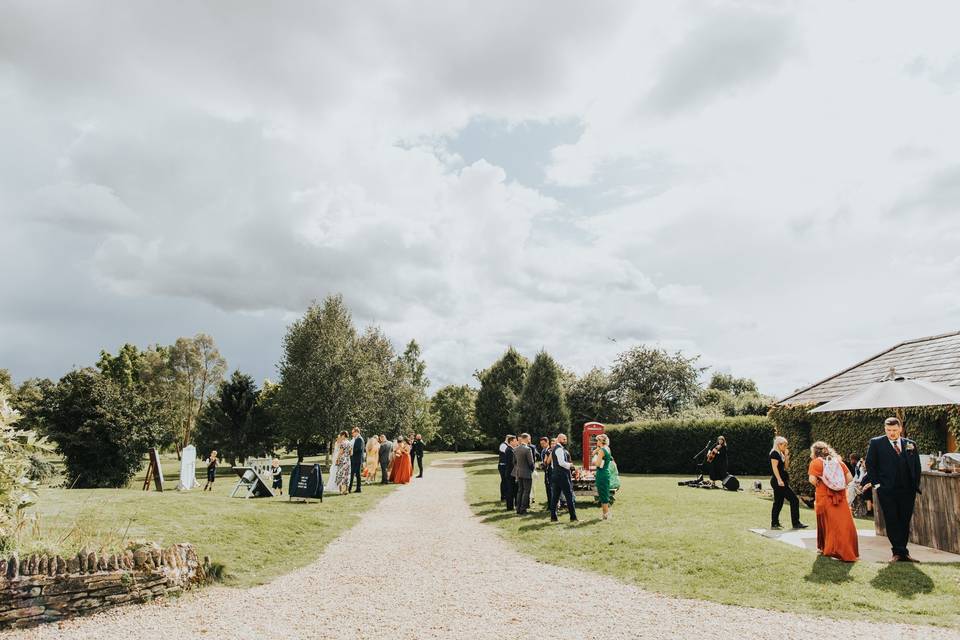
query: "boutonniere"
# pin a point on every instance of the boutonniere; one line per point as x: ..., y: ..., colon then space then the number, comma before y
x: 910, y: 446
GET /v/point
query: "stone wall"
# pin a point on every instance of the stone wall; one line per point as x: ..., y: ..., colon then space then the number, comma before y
x: 41, y: 588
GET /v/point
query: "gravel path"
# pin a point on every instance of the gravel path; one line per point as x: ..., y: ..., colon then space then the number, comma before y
x: 464, y: 582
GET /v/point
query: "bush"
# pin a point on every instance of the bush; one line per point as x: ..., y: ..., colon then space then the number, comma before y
x: 17, y: 490
x: 668, y: 446
x: 850, y: 432
x: 102, y: 432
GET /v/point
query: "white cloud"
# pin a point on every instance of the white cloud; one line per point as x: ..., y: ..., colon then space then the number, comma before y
x: 174, y: 168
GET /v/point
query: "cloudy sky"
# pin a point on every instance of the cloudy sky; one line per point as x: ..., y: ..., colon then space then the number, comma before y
x: 773, y: 186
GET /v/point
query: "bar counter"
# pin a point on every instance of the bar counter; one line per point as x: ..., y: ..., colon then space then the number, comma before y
x: 936, y: 517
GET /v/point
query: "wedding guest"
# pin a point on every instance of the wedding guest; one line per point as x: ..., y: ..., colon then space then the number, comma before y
x: 510, y: 481
x: 416, y: 452
x: 384, y: 456
x: 356, y: 458
x: 836, y: 532
x: 342, y: 462
x: 373, y: 460
x: 502, y: 466
x: 212, y: 463
x: 523, y: 465
x: 780, y: 483
x: 602, y: 459
x: 893, y: 467
x: 402, y: 467
x: 562, y: 483
x: 719, y: 461
x: 277, y: 472
x: 544, y: 463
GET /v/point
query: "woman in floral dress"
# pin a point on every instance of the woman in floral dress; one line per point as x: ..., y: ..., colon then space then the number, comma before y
x: 343, y: 462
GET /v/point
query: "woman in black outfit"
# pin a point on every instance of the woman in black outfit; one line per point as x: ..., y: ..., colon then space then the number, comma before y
x: 780, y: 481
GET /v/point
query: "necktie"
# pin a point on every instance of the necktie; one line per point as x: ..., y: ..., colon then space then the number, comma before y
x: 896, y: 446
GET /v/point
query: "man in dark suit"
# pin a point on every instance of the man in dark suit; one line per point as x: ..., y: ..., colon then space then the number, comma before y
x: 356, y: 459
x: 509, y: 488
x: 523, y: 464
x: 893, y: 465
x: 383, y: 457
x: 416, y: 453
x: 502, y: 466
x: 561, y: 480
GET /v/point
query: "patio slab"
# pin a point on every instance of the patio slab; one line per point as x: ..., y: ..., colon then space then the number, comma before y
x: 872, y: 547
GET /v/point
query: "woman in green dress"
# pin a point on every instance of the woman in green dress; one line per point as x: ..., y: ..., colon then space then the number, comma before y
x: 602, y: 459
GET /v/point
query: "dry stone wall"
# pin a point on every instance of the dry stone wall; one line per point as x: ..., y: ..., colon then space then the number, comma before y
x: 39, y: 588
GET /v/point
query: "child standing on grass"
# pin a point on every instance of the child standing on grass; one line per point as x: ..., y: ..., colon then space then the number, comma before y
x: 277, y: 472
x: 212, y: 463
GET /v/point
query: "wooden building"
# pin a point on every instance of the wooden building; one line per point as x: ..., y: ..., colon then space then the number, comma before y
x: 935, y: 358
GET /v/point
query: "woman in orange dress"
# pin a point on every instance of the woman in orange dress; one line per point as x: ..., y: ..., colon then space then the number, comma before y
x: 402, y: 466
x: 836, y: 532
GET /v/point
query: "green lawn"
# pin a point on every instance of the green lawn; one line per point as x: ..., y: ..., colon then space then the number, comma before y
x: 256, y: 539
x: 696, y: 544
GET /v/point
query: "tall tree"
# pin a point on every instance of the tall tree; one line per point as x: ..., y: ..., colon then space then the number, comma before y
x: 543, y: 406
x: 101, y: 430
x: 320, y: 391
x: 497, y: 400
x: 233, y: 423
x: 649, y: 379
x: 418, y: 418
x: 29, y: 399
x: 149, y: 373
x: 454, y: 408
x: 198, y: 369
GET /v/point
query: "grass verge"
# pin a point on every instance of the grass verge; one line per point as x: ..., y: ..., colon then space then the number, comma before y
x: 696, y: 544
x: 255, y: 540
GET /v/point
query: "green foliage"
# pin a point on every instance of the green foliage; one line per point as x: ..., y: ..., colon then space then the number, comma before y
x: 28, y: 400
x: 850, y: 432
x: 234, y: 421
x: 320, y: 376
x: 748, y: 403
x: 668, y: 446
x: 733, y: 386
x: 454, y: 409
x: 102, y: 431
x: 648, y: 378
x: 332, y: 379
x: 6, y: 382
x: 499, y: 395
x: 17, y: 450
x: 592, y: 398
x: 197, y: 370
x: 543, y: 406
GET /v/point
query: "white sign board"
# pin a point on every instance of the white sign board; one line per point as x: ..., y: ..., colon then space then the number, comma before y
x: 188, y: 469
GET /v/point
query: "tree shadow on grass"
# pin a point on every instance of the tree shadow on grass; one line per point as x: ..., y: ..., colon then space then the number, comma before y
x: 903, y: 578
x: 829, y: 571
x: 479, y: 462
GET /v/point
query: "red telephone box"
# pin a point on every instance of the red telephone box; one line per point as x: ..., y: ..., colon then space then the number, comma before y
x: 590, y: 432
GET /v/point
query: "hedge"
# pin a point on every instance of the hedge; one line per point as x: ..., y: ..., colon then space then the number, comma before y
x: 668, y: 446
x: 850, y: 431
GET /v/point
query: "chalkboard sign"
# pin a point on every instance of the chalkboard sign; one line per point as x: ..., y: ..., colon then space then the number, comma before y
x: 306, y: 482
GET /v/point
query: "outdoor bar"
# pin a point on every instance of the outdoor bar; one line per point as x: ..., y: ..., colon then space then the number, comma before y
x: 936, y: 516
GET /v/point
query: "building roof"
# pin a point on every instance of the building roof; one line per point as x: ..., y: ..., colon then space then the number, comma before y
x: 935, y: 358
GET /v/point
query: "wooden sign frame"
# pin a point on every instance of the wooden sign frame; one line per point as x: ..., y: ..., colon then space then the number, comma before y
x: 154, y: 472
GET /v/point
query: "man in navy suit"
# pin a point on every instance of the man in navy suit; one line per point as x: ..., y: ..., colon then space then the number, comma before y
x: 894, y: 468
x: 356, y: 459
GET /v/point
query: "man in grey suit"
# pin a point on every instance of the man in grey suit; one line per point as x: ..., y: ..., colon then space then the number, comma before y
x: 384, y: 455
x: 523, y: 463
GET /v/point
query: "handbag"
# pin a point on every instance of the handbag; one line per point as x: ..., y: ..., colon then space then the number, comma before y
x: 614, y: 475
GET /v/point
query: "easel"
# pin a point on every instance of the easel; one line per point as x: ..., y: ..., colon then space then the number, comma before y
x: 153, y: 472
